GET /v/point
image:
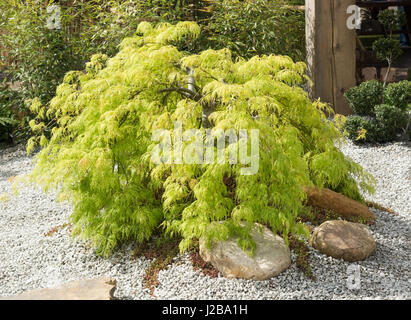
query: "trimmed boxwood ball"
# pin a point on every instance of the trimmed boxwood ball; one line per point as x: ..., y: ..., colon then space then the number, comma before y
x: 353, y: 125
x: 398, y: 94
x: 385, y: 127
x: 364, y: 97
x: 392, y: 120
x: 376, y: 121
x: 99, y: 152
x: 363, y: 129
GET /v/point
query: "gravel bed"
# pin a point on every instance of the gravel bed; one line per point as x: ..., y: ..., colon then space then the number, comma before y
x: 30, y: 260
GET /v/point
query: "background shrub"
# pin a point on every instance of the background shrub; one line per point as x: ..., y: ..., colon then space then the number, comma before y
x: 37, y: 58
x: 363, y: 129
x: 258, y: 27
x: 391, y: 119
x: 398, y: 94
x: 11, y: 113
x: 6, y: 121
x: 364, y: 97
x: 385, y: 127
x: 388, y: 47
x: 353, y: 126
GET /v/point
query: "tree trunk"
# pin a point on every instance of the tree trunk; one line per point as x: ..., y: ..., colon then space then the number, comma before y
x: 330, y: 51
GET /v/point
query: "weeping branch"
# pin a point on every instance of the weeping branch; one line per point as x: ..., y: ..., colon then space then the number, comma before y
x: 191, y: 93
x: 185, y: 92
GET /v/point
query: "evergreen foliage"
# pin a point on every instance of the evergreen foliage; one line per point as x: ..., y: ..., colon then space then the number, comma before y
x: 398, y: 94
x: 99, y: 150
x: 388, y: 48
x: 258, y: 27
x: 382, y: 113
x: 364, y: 97
x: 391, y: 119
x: 361, y: 129
x: 7, y: 117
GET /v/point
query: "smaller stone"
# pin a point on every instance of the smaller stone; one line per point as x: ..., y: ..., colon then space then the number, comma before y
x: 369, y: 73
x: 271, y: 257
x: 92, y: 289
x: 401, y: 74
x: 343, y: 240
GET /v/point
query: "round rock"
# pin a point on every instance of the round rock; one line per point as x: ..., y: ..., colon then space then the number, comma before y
x: 271, y: 257
x: 343, y: 240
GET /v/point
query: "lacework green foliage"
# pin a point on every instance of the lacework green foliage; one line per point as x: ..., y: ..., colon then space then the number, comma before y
x: 100, y: 151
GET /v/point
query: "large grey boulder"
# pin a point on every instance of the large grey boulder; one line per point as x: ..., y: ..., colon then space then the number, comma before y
x: 343, y: 240
x: 93, y: 289
x: 271, y: 257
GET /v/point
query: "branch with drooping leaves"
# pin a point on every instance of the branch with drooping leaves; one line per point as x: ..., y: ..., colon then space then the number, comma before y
x: 191, y: 93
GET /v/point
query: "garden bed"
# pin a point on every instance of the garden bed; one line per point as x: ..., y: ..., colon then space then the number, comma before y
x: 38, y: 251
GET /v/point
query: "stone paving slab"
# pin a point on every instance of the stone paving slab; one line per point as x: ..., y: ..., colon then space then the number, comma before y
x: 91, y: 289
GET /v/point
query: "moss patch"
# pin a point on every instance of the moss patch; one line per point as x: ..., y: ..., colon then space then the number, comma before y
x: 316, y: 216
x: 199, y: 264
x: 162, y: 253
x: 302, y: 251
x: 377, y: 206
x: 56, y: 228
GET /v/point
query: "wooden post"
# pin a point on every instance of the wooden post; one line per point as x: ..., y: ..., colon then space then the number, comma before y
x: 330, y: 51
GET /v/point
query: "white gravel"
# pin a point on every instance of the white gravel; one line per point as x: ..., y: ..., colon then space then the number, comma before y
x: 29, y: 259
